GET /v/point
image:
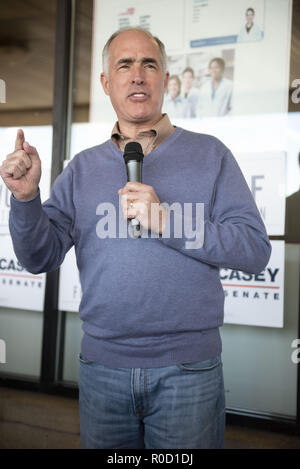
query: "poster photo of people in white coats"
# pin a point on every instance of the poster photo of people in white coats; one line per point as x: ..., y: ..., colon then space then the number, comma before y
x: 200, y: 85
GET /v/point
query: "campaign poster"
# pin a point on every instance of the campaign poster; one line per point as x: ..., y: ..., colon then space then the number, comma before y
x: 256, y: 299
x: 19, y: 288
x: 267, y: 187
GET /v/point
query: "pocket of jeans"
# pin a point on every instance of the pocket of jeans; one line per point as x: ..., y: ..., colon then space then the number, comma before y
x: 83, y: 360
x: 204, y: 365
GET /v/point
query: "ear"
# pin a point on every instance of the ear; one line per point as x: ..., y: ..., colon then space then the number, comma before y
x: 166, y: 80
x: 104, y: 83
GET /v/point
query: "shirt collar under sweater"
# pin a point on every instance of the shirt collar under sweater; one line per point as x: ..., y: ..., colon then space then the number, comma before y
x: 149, y: 139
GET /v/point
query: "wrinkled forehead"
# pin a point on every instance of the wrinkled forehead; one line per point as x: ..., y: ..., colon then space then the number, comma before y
x: 130, y: 44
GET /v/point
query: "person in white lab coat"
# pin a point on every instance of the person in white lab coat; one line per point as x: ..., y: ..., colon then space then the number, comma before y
x: 250, y: 32
x: 189, y: 92
x: 215, y: 95
x: 174, y: 104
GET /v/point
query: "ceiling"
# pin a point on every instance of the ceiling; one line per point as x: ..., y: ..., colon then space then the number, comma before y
x: 27, y: 47
x: 27, y: 42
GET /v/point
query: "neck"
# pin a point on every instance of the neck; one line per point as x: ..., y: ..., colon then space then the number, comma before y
x: 132, y: 129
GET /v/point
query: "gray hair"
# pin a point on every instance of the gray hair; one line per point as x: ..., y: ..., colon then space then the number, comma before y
x: 161, y: 47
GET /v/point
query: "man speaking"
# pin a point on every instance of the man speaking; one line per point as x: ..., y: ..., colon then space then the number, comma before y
x: 150, y: 364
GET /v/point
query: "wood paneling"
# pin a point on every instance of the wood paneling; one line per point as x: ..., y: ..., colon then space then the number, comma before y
x: 27, y: 44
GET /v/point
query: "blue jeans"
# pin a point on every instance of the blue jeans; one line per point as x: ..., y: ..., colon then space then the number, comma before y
x: 179, y: 406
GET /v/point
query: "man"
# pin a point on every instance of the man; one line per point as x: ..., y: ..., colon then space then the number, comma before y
x: 187, y: 81
x: 250, y: 32
x: 215, y: 95
x: 189, y: 92
x: 150, y: 365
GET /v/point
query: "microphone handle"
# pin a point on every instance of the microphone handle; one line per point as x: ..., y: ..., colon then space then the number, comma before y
x: 134, y: 173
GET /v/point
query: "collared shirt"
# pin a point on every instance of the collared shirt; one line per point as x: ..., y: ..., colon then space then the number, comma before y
x: 149, y: 139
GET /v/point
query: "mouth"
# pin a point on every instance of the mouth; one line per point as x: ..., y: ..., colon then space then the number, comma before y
x: 138, y: 96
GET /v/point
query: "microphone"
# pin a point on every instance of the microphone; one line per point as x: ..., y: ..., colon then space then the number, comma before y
x: 133, y: 156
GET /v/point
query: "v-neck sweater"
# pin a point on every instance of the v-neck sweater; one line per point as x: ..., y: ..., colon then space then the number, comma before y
x: 156, y: 300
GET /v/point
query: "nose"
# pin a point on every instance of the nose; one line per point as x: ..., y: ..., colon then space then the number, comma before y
x: 138, y: 76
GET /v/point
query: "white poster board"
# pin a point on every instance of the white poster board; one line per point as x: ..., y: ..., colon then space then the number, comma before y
x: 18, y: 288
x: 211, y: 22
x: 70, y: 293
x: 267, y: 186
x: 256, y: 300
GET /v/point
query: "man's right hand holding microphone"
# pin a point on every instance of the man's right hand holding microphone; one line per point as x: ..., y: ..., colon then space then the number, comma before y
x: 21, y: 171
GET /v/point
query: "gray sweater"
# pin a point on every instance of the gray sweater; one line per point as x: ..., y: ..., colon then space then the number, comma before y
x: 156, y: 300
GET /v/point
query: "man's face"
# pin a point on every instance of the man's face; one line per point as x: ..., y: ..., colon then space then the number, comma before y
x: 135, y: 81
x: 249, y: 17
x: 216, y: 72
x: 187, y: 81
x: 173, y: 88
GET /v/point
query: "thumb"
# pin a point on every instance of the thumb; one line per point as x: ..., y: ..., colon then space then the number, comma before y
x: 19, y: 140
x: 30, y: 150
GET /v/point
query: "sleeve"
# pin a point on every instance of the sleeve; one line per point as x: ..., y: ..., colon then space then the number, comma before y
x: 232, y: 236
x: 241, y: 37
x: 43, y: 233
x: 193, y: 104
x: 229, y: 100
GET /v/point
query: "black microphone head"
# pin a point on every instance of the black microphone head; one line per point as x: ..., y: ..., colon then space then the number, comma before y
x: 133, y: 151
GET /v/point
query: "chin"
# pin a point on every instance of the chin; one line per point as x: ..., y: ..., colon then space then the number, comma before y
x: 141, y: 116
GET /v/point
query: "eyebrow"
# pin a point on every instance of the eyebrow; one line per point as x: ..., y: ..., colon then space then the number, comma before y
x: 131, y: 60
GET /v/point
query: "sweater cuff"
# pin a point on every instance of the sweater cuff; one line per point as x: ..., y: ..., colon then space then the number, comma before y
x: 28, y: 211
x: 184, y: 231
